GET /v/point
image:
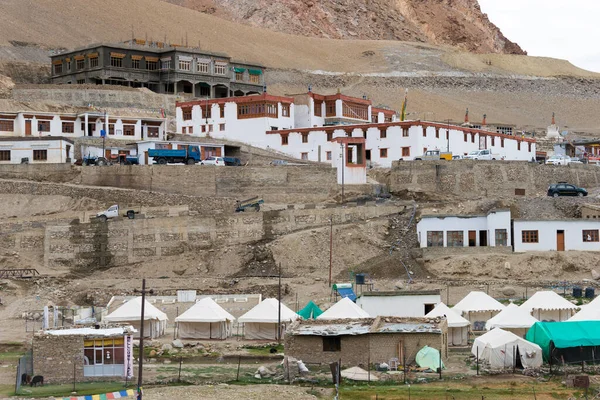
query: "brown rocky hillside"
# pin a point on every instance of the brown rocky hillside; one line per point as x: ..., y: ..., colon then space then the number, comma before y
x: 458, y: 23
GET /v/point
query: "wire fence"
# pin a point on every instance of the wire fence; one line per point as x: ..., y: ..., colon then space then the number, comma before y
x: 24, y: 371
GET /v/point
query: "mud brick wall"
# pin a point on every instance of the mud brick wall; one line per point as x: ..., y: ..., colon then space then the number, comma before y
x: 360, y: 349
x: 53, y: 358
x: 467, y: 178
x: 36, y: 172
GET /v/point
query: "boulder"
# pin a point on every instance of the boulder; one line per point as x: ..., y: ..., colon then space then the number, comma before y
x: 177, y: 344
x: 509, y: 291
x: 166, y: 347
x: 595, y: 275
x: 264, y: 371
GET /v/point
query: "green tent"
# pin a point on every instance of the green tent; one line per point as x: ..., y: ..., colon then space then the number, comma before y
x: 564, y: 335
x: 311, y: 311
x: 428, y: 357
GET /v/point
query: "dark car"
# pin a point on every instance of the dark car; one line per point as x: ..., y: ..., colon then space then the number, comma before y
x: 566, y: 189
x: 232, y: 161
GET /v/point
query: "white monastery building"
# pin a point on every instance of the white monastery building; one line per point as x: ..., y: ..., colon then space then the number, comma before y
x: 338, y: 129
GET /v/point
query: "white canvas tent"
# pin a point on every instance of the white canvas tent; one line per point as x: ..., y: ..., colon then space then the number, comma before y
x: 478, y: 307
x: 345, y: 308
x: 458, y: 327
x: 260, y: 322
x: 588, y: 312
x: 503, y: 349
x: 155, y: 321
x: 549, y: 306
x: 204, y: 320
x: 513, y: 319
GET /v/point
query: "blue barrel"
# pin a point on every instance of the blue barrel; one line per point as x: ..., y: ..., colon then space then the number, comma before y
x: 360, y: 279
x: 589, y: 293
x: 577, y: 292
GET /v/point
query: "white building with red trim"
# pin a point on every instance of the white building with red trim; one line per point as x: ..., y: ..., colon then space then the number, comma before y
x: 315, y: 127
x: 83, y: 124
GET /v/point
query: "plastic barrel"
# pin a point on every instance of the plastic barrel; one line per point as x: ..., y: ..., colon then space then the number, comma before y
x: 577, y: 292
x: 360, y: 279
x: 589, y: 293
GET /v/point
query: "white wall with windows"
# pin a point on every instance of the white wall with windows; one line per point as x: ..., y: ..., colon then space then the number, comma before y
x: 398, y: 304
x: 27, y: 124
x: 562, y: 235
x: 491, y: 230
x: 36, y: 150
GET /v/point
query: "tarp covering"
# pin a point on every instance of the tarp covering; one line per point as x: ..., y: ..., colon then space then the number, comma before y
x: 428, y: 357
x: 345, y: 308
x: 500, y: 349
x: 358, y: 374
x: 512, y: 316
x: 564, y: 335
x: 239, y: 70
x: 310, y: 311
x: 255, y: 71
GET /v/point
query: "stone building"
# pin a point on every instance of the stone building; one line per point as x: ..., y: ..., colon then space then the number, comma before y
x: 364, y: 341
x: 161, y: 67
x: 83, y: 354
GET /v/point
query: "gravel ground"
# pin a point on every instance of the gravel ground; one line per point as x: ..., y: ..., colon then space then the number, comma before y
x: 219, y: 392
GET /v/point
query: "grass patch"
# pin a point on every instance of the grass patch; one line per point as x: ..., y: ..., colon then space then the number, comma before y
x: 86, y: 388
x: 264, y: 350
x: 11, y: 355
x: 500, y: 390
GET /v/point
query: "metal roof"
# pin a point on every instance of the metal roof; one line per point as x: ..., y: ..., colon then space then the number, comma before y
x: 353, y: 327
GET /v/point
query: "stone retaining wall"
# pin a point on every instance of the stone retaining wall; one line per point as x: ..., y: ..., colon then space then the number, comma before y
x: 467, y: 178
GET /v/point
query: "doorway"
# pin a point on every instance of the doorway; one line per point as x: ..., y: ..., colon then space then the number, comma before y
x: 28, y: 128
x: 368, y: 155
x: 91, y: 129
x: 560, y: 240
x: 472, y: 238
x: 428, y: 308
x: 483, y: 238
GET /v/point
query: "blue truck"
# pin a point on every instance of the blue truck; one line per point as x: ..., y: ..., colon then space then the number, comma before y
x: 189, y: 155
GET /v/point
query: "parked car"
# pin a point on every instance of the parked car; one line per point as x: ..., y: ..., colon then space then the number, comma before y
x: 558, y: 159
x: 216, y: 161
x: 434, y: 155
x: 566, y: 189
x: 232, y: 161
x: 482, y: 155
x: 458, y: 157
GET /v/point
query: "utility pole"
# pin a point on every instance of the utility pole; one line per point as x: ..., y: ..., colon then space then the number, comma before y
x: 448, y: 136
x: 141, y: 363
x: 279, y: 308
x: 330, y: 247
x: 343, y: 167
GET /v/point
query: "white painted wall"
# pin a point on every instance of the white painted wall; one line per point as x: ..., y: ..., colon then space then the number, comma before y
x: 397, y: 306
x: 547, y: 234
x: 56, y: 150
x: 494, y: 220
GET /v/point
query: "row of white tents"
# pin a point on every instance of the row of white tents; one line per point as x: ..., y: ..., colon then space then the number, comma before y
x: 208, y: 320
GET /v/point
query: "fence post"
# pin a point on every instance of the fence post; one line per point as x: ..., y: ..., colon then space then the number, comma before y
x: 440, y: 363
x: 180, y: 362
x: 18, y: 380
x: 477, y: 361
x: 237, y: 377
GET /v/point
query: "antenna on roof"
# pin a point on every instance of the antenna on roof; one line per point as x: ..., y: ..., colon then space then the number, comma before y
x: 132, y: 36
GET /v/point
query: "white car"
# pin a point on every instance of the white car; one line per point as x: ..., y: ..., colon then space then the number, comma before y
x: 482, y: 155
x: 558, y: 160
x: 216, y: 161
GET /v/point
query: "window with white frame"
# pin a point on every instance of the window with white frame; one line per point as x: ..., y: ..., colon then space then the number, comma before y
x: 220, y: 69
x: 203, y: 67
x: 165, y: 64
x: 185, y: 65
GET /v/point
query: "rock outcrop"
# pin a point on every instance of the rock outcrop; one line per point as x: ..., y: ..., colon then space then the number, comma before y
x: 458, y: 23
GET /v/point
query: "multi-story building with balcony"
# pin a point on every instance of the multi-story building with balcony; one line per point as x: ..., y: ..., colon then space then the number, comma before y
x: 163, y: 68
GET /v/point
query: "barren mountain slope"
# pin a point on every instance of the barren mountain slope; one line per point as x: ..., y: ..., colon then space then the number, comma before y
x: 455, y: 22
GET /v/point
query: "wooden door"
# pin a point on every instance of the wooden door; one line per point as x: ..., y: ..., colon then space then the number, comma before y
x: 218, y: 152
x: 28, y: 128
x: 472, y: 238
x: 560, y: 240
x: 145, y: 158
